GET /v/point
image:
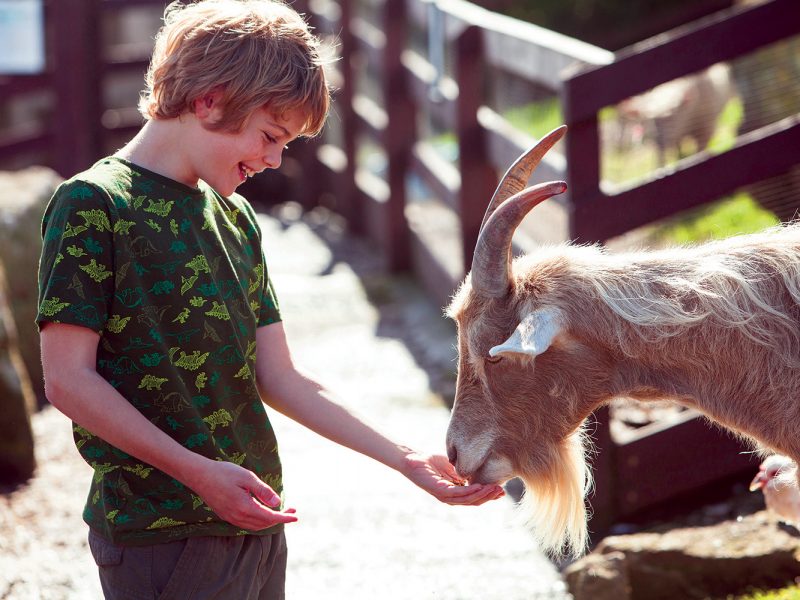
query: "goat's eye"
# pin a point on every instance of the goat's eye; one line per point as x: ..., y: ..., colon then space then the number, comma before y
x: 493, y: 359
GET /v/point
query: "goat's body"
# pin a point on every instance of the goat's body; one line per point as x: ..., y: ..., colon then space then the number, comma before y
x: 714, y: 326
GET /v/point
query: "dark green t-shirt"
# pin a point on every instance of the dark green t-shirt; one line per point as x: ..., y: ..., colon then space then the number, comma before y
x: 174, y: 280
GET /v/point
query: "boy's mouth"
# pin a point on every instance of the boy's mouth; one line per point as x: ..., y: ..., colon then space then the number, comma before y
x: 245, y: 171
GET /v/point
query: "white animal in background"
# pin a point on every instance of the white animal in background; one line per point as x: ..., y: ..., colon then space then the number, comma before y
x: 549, y: 337
x: 777, y: 479
x: 687, y: 107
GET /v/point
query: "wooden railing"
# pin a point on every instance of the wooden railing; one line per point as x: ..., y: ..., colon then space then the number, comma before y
x: 80, y: 128
x: 764, y: 153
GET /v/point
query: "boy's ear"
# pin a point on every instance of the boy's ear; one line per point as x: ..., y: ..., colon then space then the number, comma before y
x: 208, y: 107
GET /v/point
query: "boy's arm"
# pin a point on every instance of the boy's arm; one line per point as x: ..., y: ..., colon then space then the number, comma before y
x: 291, y: 391
x: 74, y: 387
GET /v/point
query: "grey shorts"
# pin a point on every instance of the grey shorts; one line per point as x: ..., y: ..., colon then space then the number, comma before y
x: 249, y: 567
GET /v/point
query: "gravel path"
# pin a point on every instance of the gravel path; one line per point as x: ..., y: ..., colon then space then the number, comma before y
x: 364, y: 531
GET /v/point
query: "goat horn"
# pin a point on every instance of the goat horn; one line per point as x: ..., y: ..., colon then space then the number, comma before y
x: 491, y: 263
x: 516, y: 178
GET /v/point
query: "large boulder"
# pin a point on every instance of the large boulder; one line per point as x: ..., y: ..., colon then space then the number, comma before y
x: 23, y: 197
x: 694, y: 562
x: 16, y: 402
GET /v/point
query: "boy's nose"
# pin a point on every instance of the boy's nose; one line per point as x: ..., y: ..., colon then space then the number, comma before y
x: 272, y: 159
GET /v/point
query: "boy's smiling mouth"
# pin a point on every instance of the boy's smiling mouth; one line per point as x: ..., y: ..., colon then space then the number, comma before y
x: 245, y: 171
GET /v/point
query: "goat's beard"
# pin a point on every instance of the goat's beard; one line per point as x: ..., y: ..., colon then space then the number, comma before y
x: 553, y: 504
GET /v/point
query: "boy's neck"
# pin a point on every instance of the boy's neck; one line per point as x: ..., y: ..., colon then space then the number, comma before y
x: 158, y: 148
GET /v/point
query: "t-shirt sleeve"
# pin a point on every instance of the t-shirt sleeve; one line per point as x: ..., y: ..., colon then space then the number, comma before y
x: 269, y: 310
x: 76, y: 269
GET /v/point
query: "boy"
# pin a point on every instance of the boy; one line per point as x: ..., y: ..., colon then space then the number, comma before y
x: 160, y: 329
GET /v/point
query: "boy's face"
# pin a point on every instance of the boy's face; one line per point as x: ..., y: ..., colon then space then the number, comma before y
x: 225, y: 160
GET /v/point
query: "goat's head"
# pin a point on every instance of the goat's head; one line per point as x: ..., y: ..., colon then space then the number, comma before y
x: 518, y: 408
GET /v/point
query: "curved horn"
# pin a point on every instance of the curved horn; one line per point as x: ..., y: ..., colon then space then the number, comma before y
x: 491, y: 263
x: 516, y: 178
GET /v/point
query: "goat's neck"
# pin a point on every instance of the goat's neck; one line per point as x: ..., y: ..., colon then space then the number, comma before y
x: 638, y: 382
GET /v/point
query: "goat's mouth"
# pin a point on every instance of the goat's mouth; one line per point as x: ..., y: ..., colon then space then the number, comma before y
x: 475, y: 456
x: 495, y: 470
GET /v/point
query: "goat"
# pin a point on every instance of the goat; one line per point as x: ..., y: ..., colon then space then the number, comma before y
x: 685, y: 107
x: 545, y: 339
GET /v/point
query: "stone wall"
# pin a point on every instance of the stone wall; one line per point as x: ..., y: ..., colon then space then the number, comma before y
x: 16, y: 402
x: 712, y: 561
x: 23, y: 197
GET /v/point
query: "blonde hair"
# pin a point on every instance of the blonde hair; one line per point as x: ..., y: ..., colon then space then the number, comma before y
x: 257, y: 53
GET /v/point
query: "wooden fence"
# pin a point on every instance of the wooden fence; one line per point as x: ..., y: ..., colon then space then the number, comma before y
x: 80, y: 127
x: 408, y: 70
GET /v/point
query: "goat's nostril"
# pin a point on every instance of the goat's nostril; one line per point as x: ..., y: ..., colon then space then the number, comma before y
x: 452, y: 454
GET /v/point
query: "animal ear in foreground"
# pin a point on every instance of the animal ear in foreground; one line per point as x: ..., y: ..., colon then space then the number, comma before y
x: 532, y: 336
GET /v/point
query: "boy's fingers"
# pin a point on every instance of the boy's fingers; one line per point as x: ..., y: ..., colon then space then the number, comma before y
x: 262, y: 516
x: 265, y: 494
x: 474, y: 494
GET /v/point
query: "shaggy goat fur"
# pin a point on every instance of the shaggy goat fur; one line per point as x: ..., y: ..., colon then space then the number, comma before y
x: 715, y: 327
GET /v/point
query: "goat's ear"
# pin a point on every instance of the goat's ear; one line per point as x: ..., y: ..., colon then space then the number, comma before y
x: 532, y: 336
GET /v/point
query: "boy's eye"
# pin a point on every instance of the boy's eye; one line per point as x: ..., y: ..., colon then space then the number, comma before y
x: 270, y: 139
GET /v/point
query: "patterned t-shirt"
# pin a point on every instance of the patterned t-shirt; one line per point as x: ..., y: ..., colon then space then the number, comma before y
x: 173, y: 278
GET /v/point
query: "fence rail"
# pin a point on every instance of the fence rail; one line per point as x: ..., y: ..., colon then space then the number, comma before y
x: 767, y: 152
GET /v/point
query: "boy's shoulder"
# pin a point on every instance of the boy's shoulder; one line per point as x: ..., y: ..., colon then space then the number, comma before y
x: 118, y: 185
x: 103, y: 184
x: 107, y: 173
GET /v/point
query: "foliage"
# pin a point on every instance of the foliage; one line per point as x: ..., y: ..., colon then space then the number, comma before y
x: 787, y: 593
x: 731, y: 216
x: 536, y: 118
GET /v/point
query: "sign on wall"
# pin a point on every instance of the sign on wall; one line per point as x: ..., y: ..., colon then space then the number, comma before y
x: 21, y: 37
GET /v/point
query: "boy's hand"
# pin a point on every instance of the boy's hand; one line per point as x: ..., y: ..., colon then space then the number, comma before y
x: 438, y: 477
x: 239, y: 497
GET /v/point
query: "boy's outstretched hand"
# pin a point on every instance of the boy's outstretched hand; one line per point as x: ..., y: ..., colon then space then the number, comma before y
x: 435, y: 475
x: 239, y: 497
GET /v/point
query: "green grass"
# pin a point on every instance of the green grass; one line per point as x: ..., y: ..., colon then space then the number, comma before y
x: 788, y: 593
x: 731, y: 216
x: 538, y: 118
x: 727, y: 125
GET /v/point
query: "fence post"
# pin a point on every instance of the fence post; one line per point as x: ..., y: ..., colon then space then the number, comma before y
x: 582, y: 153
x: 306, y: 180
x: 604, y: 504
x: 352, y: 202
x: 478, y: 177
x: 77, y: 52
x: 399, y: 135
x: 583, y: 176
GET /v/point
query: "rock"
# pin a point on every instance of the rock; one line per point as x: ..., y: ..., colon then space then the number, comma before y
x: 695, y: 562
x: 17, y: 461
x: 23, y: 197
x: 599, y: 577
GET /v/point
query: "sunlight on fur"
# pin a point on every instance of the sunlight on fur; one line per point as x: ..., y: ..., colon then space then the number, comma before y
x: 553, y: 504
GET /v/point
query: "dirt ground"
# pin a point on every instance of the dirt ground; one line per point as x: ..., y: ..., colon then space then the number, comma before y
x: 43, y: 549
